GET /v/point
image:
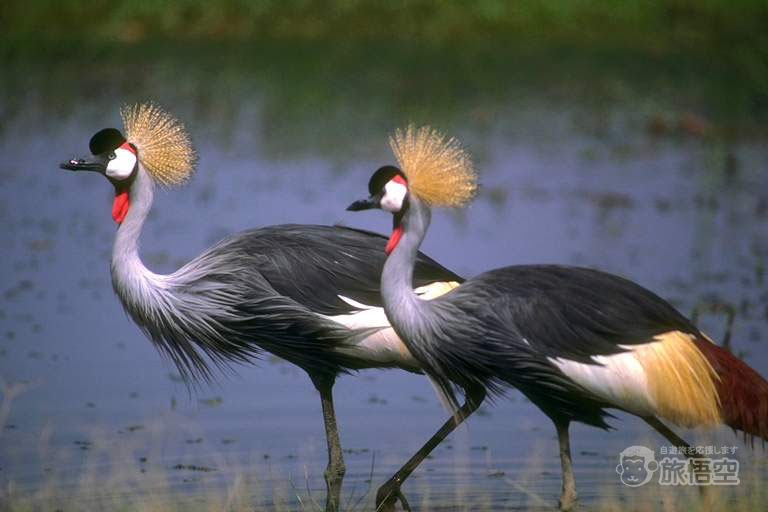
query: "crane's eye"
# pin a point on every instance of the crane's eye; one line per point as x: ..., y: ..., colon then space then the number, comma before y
x: 111, y: 156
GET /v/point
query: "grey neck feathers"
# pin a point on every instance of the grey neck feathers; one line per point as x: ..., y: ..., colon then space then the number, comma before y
x: 406, y: 311
x: 133, y: 282
x: 181, y: 312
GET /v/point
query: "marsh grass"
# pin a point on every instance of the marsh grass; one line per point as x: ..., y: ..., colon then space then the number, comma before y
x: 136, y: 473
x: 148, y: 467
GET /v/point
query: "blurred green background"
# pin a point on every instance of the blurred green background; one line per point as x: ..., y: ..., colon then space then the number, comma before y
x: 708, y: 52
x: 656, y: 25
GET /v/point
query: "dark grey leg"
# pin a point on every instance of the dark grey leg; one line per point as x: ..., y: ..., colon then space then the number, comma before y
x: 389, y: 493
x: 334, y: 472
x: 673, y: 438
x: 569, y: 496
x: 665, y: 431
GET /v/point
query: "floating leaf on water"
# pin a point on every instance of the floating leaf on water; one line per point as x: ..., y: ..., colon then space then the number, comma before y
x: 497, y: 195
x: 40, y: 245
x: 356, y: 451
x: 373, y: 399
x: 83, y: 445
x: 193, y: 467
x: 34, y: 354
x: 20, y: 287
x: 211, y: 402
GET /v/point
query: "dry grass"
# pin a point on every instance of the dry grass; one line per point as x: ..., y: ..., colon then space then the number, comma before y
x: 132, y: 472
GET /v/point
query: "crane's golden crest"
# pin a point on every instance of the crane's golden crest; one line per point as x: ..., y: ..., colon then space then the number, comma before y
x: 164, y: 146
x: 438, y: 169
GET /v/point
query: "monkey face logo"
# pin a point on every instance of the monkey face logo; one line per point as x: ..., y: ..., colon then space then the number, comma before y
x: 636, y: 466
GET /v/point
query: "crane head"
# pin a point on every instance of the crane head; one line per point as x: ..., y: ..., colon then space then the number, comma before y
x: 111, y: 155
x: 114, y: 157
x: 388, y: 189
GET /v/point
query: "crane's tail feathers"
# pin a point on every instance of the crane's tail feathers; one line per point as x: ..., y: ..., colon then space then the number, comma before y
x: 445, y: 394
x: 742, y: 391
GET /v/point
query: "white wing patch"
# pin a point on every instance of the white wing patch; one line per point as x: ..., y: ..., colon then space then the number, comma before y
x: 383, y: 347
x: 355, y: 304
x: 618, y: 379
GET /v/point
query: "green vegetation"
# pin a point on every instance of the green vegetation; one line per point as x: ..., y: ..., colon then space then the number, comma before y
x: 427, y: 53
x: 649, y: 23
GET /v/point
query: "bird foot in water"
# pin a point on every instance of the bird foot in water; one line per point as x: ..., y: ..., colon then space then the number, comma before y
x: 567, y: 501
x: 387, y: 496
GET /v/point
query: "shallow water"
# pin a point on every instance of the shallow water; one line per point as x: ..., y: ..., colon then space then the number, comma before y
x: 582, y: 163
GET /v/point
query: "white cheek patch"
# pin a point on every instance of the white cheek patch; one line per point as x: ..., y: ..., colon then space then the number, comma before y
x: 122, y: 165
x: 394, y: 195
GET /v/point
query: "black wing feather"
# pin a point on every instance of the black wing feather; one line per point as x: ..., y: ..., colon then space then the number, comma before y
x: 313, y: 265
x: 267, y: 290
x: 576, y: 312
x: 503, y: 326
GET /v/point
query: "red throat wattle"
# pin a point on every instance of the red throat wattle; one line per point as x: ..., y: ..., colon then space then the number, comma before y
x: 120, y: 206
x: 122, y: 200
x: 397, y: 234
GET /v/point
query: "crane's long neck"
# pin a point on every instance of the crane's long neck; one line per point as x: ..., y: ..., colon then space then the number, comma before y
x: 406, y: 311
x: 132, y: 281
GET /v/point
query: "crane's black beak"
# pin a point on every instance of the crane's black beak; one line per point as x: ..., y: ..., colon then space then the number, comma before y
x: 95, y: 163
x: 365, y: 204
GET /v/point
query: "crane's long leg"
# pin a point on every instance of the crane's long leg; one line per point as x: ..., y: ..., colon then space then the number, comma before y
x: 569, y: 496
x: 334, y: 472
x: 665, y: 431
x: 389, y: 493
x: 676, y: 440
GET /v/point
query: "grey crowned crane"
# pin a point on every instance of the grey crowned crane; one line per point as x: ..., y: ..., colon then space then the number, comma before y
x: 308, y: 294
x: 574, y: 341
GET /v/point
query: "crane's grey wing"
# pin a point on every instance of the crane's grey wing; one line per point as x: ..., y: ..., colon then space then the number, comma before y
x: 577, y: 313
x: 272, y: 289
x: 219, y: 309
x: 565, y: 336
x: 318, y: 265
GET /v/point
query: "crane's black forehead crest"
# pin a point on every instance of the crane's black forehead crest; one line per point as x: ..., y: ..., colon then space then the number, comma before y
x: 383, y: 176
x: 105, y: 140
